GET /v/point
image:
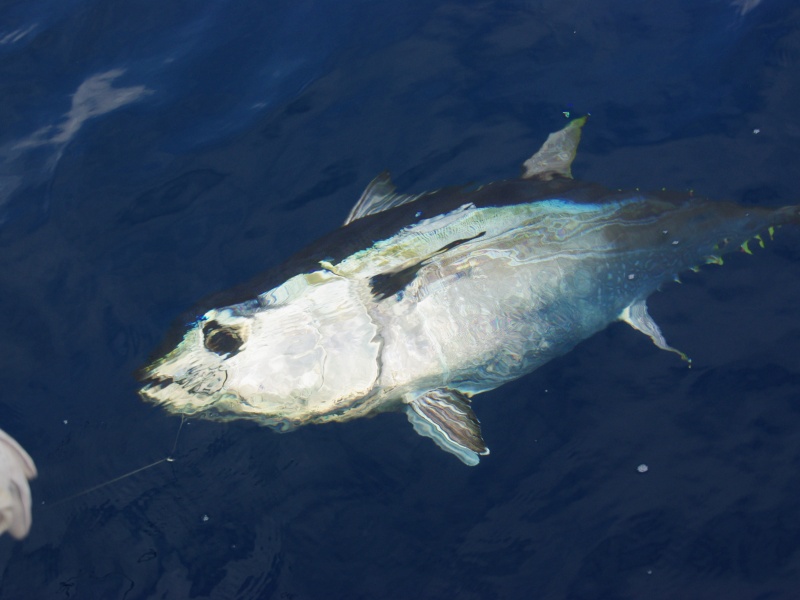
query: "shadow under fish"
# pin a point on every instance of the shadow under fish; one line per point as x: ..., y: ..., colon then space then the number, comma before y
x: 419, y: 302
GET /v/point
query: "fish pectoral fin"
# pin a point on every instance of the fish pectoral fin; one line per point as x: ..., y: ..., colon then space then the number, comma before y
x: 383, y: 285
x: 445, y: 416
x: 388, y: 284
x: 636, y: 316
x: 556, y: 154
x: 379, y: 196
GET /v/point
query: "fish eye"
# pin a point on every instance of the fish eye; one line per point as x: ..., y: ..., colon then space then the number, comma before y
x: 222, y: 339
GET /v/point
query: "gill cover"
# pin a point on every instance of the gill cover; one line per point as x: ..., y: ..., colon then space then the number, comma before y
x: 307, y: 349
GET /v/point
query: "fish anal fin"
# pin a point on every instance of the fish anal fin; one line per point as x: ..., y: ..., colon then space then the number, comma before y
x: 380, y: 195
x: 636, y: 316
x: 555, y: 156
x: 445, y: 416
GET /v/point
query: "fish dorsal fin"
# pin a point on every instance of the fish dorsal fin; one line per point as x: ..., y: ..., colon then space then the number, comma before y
x: 556, y: 154
x: 636, y: 316
x: 379, y: 196
x: 445, y: 416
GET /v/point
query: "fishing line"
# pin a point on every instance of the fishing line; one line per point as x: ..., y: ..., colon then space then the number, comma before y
x: 169, y: 458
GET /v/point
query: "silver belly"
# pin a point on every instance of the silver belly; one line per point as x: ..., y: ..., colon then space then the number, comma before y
x: 485, y: 318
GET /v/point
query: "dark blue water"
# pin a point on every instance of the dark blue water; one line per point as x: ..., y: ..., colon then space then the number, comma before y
x: 152, y: 153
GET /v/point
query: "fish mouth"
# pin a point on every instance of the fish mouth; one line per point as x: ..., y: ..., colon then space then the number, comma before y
x: 176, y: 397
x: 146, y: 373
x: 153, y: 382
x: 154, y: 388
x: 193, y: 385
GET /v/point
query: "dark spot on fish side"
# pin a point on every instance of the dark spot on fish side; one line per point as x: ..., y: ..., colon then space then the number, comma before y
x: 455, y: 243
x: 221, y: 339
x: 384, y: 285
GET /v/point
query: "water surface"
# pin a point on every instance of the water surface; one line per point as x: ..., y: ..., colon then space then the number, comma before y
x: 154, y: 153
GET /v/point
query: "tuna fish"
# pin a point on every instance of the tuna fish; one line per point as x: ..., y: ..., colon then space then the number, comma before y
x: 420, y: 302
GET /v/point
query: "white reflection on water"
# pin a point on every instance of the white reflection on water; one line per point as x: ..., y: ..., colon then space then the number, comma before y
x: 94, y: 97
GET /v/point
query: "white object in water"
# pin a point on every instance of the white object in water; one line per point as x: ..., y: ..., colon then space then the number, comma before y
x: 16, y: 468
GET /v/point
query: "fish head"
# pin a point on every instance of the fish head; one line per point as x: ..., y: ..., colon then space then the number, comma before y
x: 304, y: 352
